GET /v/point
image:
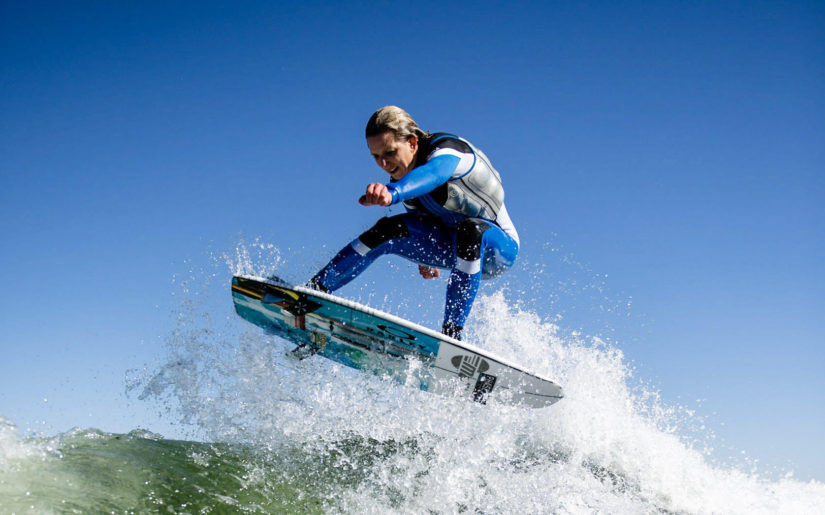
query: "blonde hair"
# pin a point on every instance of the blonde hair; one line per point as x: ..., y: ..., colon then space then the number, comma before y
x: 395, y: 119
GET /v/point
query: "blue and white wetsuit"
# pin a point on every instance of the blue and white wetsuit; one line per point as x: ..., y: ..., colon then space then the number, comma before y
x: 455, y: 219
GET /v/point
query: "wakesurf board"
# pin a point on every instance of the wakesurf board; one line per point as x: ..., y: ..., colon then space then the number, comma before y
x: 373, y: 341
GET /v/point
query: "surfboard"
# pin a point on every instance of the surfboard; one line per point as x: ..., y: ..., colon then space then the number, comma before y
x: 376, y: 342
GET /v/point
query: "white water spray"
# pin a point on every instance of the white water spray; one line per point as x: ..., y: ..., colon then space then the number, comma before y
x: 610, y: 446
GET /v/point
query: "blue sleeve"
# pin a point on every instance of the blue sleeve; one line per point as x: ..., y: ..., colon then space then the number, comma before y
x: 423, y: 179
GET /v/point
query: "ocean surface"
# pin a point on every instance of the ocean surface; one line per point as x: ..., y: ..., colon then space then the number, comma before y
x: 276, y: 436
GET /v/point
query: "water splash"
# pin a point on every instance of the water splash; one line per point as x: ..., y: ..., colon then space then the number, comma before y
x: 611, y: 445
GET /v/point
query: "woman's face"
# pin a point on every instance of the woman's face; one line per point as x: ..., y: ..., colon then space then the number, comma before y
x: 394, y: 156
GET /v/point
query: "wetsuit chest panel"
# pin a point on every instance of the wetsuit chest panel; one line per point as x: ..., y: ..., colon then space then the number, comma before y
x: 474, y: 189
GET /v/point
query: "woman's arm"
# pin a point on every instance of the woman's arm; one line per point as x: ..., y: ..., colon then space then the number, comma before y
x: 424, y: 179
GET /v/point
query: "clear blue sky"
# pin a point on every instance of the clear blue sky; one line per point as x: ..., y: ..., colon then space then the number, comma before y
x: 677, y: 148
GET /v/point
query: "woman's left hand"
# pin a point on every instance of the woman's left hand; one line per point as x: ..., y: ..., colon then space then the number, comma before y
x: 428, y: 272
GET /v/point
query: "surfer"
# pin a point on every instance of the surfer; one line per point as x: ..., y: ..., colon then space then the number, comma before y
x: 455, y: 220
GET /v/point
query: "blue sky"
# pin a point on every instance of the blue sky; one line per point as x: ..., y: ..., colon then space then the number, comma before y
x: 674, y: 151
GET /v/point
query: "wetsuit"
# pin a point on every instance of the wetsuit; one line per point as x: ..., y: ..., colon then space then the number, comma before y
x: 455, y: 219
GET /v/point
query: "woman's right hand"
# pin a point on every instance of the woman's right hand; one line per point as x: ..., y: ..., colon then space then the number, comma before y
x: 377, y: 195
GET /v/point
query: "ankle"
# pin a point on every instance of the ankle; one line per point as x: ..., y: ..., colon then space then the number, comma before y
x: 452, y: 330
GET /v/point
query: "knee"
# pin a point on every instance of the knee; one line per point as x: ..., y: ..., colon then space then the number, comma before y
x: 469, y: 238
x: 385, y: 229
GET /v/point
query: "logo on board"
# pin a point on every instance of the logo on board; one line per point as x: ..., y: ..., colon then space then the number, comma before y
x: 467, y: 366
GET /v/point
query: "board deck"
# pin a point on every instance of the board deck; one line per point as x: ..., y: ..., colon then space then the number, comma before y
x: 373, y: 341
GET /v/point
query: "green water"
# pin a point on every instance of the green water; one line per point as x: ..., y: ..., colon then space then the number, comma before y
x: 94, y: 472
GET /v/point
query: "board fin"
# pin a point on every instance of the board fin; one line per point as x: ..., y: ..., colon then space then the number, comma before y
x: 303, y: 351
x: 306, y: 350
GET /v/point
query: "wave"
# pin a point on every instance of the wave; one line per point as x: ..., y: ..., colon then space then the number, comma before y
x: 89, y: 471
